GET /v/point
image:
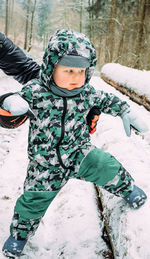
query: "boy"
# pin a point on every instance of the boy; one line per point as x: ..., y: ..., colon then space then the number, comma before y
x: 14, y: 62
x: 59, y: 141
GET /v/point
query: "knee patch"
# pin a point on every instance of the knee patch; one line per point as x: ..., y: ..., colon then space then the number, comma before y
x: 32, y: 205
x: 98, y: 167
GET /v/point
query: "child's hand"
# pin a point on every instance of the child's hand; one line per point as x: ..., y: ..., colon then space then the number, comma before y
x: 15, y: 104
x: 132, y: 120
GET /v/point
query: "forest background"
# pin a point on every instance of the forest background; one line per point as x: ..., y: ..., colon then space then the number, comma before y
x: 119, y: 29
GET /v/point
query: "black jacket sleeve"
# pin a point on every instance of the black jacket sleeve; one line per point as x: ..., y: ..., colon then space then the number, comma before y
x: 14, y: 62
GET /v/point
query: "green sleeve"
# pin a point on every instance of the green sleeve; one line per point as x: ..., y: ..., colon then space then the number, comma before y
x: 110, y: 103
x: 27, y: 94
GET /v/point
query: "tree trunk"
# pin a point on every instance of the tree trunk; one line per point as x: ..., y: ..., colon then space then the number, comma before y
x: 121, y: 39
x: 11, y: 12
x: 6, y: 17
x: 81, y: 14
x: 26, y: 26
x: 45, y: 40
x: 90, y: 3
x: 31, y: 28
x: 111, y: 32
x: 140, y: 32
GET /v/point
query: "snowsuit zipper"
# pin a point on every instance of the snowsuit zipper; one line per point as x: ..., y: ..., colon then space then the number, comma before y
x: 62, y: 135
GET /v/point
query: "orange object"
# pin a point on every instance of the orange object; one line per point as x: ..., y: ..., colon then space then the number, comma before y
x: 94, y: 124
x: 5, y: 113
x: 10, y: 121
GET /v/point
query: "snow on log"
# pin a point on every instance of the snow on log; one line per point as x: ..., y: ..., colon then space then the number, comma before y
x: 131, y: 82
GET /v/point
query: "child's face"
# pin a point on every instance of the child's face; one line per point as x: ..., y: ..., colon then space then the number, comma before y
x: 69, y: 77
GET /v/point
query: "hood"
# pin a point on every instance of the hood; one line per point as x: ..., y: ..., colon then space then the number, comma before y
x: 66, y: 42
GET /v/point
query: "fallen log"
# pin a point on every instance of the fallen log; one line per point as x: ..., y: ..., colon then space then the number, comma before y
x: 139, y: 99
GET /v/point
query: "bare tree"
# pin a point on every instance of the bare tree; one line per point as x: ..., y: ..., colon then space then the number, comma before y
x: 31, y: 27
x: 81, y: 15
x: 140, y: 32
x: 11, y: 15
x: 6, y: 16
x: 111, y: 32
x: 27, y: 25
x: 91, y: 18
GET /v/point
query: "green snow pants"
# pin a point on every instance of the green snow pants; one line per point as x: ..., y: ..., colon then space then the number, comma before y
x: 98, y: 167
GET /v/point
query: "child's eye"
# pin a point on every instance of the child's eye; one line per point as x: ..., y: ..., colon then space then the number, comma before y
x: 71, y: 71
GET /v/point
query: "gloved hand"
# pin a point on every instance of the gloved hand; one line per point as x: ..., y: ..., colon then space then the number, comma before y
x: 92, y: 119
x: 136, y: 198
x: 15, y: 104
x: 132, y: 120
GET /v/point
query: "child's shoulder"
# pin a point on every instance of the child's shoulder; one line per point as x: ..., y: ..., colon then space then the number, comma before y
x: 35, y: 86
x: 90, y: 89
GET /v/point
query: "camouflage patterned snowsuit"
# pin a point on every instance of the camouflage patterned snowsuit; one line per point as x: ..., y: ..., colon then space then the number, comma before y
x: 59, y: 141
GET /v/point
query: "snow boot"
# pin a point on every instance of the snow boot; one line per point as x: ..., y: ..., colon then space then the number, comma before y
x: 136, y: 198
x: 13, y: 248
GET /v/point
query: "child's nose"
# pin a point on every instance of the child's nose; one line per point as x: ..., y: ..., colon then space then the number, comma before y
x: 75, y: 76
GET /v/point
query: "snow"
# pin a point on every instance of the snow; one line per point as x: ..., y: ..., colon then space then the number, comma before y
x: 130, y: 228
x: 136, y: 80
x: 72, y: 227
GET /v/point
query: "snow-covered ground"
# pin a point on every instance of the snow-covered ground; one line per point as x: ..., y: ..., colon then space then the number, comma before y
x: 71, y: 228
x: 129, y: 228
